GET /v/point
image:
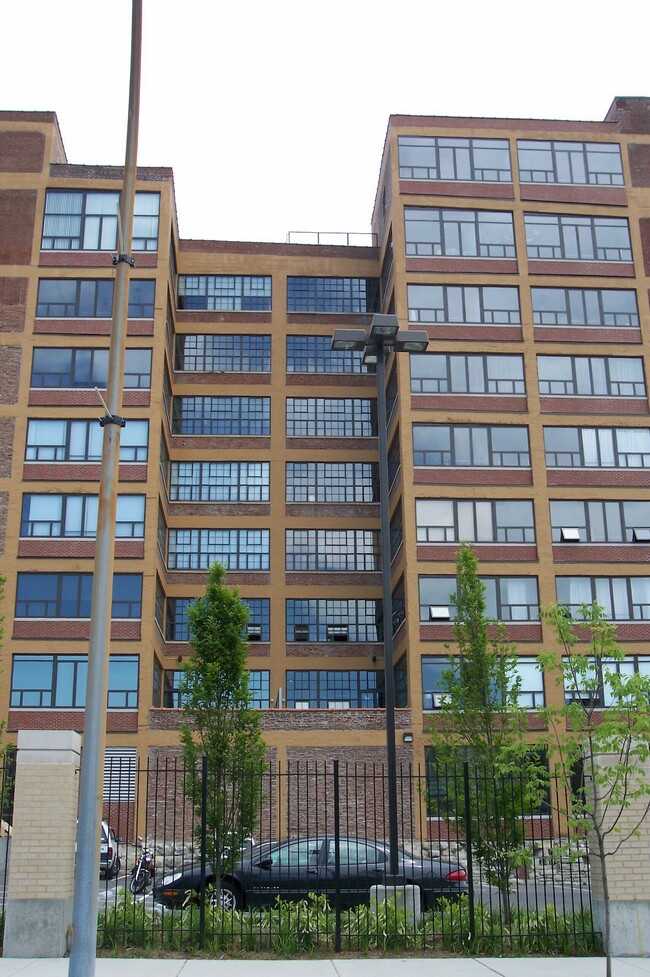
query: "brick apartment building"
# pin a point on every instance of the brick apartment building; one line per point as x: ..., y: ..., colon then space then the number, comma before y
x: 522, y: 247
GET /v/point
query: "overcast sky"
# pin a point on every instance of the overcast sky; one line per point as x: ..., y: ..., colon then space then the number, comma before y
x: 273, y: 115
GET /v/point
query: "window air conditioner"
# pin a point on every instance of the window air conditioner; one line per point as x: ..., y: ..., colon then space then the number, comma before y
x: 254, y: 632
x: 301, y: 632
x: 337, y: 632
x: 570, y: 535
x: 439, y: 612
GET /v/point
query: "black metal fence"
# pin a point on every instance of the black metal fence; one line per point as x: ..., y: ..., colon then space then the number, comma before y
x: 496, y: 867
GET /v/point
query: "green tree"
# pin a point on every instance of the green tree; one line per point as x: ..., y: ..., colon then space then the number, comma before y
x: 601, y: 737
x: 482, y: 723
x: 220, y: 724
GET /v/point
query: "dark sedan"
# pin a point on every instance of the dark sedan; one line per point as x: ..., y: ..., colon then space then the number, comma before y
x: 292, y: 869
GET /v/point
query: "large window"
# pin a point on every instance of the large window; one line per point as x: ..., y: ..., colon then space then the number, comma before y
x: 575, y: 238
x: 604, y: 376
x: 583, y: 163
x: 87, y: 220
x: 330, y: 417
x: 334, y: 620
x: 597, y: 689
x: 439, y: 373
x: 484, y: 304
x: 451, y: 158
x: 71, y: 516
x: 54, y: 366
x: 335, y: 689
x: 344, y: 295
x: 314, y: 354
x: 332, y: 549
x: 90, y: 298
x: 470, y: 445
x: 59, y: 682
x: 225, y: 293
x: 258, y: 686
x: 258, y: 627
x: 598, y: 521
x: 219, y: 481
x: 509, y: 599
x: 236, y: 549
x: 622, y: 598
x: 435, y: 683
x: 432, y: 231
x: 69, y: 440
x: 470, y: 521
x: 246, y: 416
x: 585, y: 307
x: 331, y: 481
x: 68, y: 595
x: 223, y: 354
x: 597, y: 447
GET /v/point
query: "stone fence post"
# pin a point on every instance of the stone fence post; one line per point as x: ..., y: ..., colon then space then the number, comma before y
x: 628, y: 876
x: 40, y: 885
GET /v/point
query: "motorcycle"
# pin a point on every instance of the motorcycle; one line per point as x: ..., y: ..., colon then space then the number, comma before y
x: 144, y: 871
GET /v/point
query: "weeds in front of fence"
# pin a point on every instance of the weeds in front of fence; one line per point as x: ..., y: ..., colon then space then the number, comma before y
x: 312, y: 926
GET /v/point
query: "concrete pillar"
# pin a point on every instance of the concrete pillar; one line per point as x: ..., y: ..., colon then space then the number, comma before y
x: 40, y: 885
x: 628, y: 879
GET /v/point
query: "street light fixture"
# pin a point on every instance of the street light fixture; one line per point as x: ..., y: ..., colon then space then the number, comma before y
x: 384, y: 338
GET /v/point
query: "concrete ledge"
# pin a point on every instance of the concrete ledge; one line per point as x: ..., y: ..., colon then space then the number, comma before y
x: 48, y: 746
x: 630, y: 926
x: 408, y: 899
x: 36, y: 927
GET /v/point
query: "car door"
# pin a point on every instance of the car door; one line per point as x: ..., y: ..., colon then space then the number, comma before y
x: 362, y: 865
x: 287, y: 871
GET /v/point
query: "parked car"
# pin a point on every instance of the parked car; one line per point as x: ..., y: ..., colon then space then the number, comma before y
x: 292, y: 869
x: 109, y: 858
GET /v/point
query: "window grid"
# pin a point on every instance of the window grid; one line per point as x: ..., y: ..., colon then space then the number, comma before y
x: 362, y: 619
x: 621, y: 598
x: 246, y: 416
x: 435, y: 684
x: 449, y: 304
x: 599, y: 692
x: 314, y: 354
x: 575, y: 238
x: 328, y: 550
x: 572, y: 447
x: 87, y: 220
x: 434, y: 232
x: 68, y: 595
x: 236, y: 549
x: 81, y: 441
x: 462, y: 373
x: 56, y: 367
x: 473, y: 521
x: 88, y: 298
x: 259, y: 684
x: 330, y: 417
x: 312, y: 481
x: 470, y: 446
x: 225, y: 293
x: 445, y: 158
x: 577, y: 163
x: 342, y: 295
x: 509, y: 599
x: 591, y: 376
x: 223, y: 354
x: 219, y: 481
x: 177, y: 626
x: 600, y: 521
x: 335, y: 689
x: 59, y: 682
x: 71, y: 516
x: 585, y: 307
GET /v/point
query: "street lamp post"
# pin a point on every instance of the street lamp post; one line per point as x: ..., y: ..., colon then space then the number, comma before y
x: 384, y: 338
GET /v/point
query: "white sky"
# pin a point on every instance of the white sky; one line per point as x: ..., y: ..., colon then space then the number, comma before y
x: 273, y: 114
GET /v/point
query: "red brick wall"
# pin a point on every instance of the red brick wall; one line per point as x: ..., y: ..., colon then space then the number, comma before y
x: 613, y: 269
x: 480, y: 333
x: 613, y: 477
x: 442, y: 188
x: 72, y: 629
x: 66, y: 397
x: 464, y: 266
x: 496, y: 553
x: 13, y: 298
x: 6, y: 445
x: 116, y: 722
x: 567, y: 334
x: 572, y: 194
x: 644, y: 228
x: 593, y: 405
x: 10, y: 358
x: 478, y: 402
x: 17, y: 214
x: 21, y: 152
x: 90, y: 327
x: 591, y: 553
x: 76, y: 548
x: 473, y: 476
x: 528, y: 631
x: 639, y: 156
x: 64, y: 471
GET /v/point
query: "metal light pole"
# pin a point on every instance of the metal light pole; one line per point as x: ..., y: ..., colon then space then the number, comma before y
x: 384, y: 338
x: 84, y: 918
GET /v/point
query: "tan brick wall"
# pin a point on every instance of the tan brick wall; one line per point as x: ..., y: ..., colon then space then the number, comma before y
x: 13, y: 298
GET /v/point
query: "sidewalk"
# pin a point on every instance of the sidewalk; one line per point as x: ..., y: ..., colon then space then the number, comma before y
x: 340, y: 967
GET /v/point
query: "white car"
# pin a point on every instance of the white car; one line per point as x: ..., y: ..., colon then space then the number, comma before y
x: 109, y: 859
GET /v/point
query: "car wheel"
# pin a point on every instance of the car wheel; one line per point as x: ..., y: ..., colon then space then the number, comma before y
x: 117, y: 868
x: 229, y: 897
